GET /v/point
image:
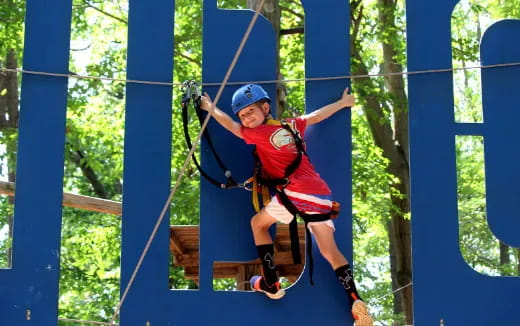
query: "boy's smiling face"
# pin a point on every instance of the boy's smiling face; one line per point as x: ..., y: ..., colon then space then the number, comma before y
x: 253, y: 115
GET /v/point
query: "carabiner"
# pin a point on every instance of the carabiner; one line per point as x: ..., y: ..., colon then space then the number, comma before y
x: 195, y: 94
x: 247, y: 184
x: 186, y: 91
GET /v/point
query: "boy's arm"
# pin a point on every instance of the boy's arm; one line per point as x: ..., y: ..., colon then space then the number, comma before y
x: 222, y: 118
x: 346, y: 100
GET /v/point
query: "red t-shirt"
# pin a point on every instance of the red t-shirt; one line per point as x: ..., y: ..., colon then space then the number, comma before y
x: 276, y: 149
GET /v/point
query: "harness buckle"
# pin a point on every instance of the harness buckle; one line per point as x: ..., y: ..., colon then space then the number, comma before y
x: 334, y: 211
x: 283, y: 184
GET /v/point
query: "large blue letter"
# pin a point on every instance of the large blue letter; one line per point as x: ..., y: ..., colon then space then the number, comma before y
x: 29, y: 291
x: 446, y: 289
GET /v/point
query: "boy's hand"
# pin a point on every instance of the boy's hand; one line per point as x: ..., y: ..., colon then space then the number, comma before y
x: 205, y: 102
x: 347, y: 100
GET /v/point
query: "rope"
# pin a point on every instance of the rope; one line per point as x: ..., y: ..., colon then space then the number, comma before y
x: 186, y: 162
x: 393, y: 292
x: 149, y: 82
x: 68, y: 320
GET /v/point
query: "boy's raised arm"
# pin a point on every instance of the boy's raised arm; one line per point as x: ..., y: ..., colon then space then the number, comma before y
x: 346, y: 100
x: 222, y: 118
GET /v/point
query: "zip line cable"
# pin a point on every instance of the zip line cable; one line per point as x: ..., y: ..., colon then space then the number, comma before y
x: 187, y: 161
x: 149, y: 82
x: 377, y: 299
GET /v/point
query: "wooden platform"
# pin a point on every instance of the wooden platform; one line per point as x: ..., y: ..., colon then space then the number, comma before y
x: 184, y: 246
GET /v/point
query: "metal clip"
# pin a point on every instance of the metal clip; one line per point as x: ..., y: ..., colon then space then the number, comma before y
x: 195, y: 93
x: 247, y: 185
x: 186, y: 91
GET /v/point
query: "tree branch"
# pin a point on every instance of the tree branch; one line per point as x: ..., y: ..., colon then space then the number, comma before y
x: 296, y: 30
x: 292, y: 12
x: 105, y: 13
x: 79, y: 158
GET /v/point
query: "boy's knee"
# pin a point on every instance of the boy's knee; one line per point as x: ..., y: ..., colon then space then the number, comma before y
x: 254, y: 222
x: 327, y: 254
x: 258, y: 223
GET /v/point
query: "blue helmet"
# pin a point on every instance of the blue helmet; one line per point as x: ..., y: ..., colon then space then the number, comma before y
x: 247, y: 95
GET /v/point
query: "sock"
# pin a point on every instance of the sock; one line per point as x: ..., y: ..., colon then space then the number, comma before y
x: 266, y: 254
x: 346, y: 279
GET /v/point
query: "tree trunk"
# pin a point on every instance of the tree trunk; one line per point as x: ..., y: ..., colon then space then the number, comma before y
x: 399, y: 167
x: 392, y: 138
x: 9, y: 87
x: 271, y: 11
x: 9, y: 126
x: 80, y: 160
x: 518, y: 262
x: 504, y: 258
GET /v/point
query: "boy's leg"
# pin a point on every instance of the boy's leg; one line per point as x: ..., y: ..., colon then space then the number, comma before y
x: 268, y: 282
x: 260, y: 224
x: 324, y: 235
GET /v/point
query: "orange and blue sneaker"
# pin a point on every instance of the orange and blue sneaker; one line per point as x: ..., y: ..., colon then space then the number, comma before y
x: 274, y: 291
x: 360, y: 314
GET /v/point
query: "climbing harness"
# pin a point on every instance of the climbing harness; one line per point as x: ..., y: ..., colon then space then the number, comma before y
x: 191, y: 93
x: 277, y: 186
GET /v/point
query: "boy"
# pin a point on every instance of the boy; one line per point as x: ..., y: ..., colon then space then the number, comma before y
x: 306, y: 190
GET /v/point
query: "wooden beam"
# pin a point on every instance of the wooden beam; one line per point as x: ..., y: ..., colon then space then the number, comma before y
x: 185, y: 260
x: 176, y: 246
x: 75, y: 201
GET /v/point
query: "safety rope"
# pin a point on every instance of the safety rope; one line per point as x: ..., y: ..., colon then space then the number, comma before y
x: 148, y: 82
x: 393, y: 292
x: 187, y: 161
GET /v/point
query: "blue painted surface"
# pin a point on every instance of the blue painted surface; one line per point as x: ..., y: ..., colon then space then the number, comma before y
x: 147, y: 156
x: 32, y: 282
x: 501, y: 44
x: 445, y: 287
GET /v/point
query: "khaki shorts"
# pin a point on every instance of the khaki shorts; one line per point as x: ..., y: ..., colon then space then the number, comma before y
x: 281, y: 214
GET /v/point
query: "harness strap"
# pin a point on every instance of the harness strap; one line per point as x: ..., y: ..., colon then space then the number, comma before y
x: 293, y: 229
x: 192, y: 93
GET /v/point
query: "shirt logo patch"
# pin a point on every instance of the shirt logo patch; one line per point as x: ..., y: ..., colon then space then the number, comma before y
x: 281, y: 138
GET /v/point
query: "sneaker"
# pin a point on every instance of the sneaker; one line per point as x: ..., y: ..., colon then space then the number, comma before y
x: 259, y: 285
x: 360, y: 314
